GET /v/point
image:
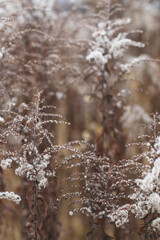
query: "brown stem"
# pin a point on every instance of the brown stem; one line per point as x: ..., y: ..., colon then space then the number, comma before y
x: 34, y: 183
x: 92, y: 228
x: 155, y: 128
x: 103, y: 113
x: 103, y: 228
x: 104, y: 120
x: 103, y: 136
x: 35, y: 211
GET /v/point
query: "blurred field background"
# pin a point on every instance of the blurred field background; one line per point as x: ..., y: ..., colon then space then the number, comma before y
x: 65, y: 89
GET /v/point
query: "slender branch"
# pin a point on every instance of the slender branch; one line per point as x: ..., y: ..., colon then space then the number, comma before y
x: 35, y: 211
x: 104, y: 92
x: 155, y: 127
x: 104, y: 118
x: 35, y: 123
x: 103, y: 135
x: 103, y: 113
x: 92, y: 228
x: 34, y: 183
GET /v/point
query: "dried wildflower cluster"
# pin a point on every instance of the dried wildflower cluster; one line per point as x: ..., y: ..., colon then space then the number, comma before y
x: 31, y: 149
x: 95, y: 187
x: 93, y: 177
x: 27, y: 128
x: 97, y: 195
x: 44, y: 47
x: 108, y: 43
x: 108, y: 65
x: 145, y: 196
x: 104, y: 179
x: 34, y: 50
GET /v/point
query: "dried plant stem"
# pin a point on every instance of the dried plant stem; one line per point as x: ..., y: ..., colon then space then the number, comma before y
x: 104, y: 121
x: 92, y: 228
x: 103, y: 113
x: 103, y: 136
x: 34, y: 183
x: 103, y: 228
x: 155, y: 128
x: 35, y: 211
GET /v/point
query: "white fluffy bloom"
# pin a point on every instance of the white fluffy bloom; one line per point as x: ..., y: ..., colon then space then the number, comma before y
x: 157, y: 145
x: 86, y: 210
x: 156, y: 224
x: 120, y: 45
x: 25, y: 168
x: 6, y: 163
x: 10, y: 196
x: 152, y: 179
x: 1, y: 119
x: 140, y: 208
x: 42, y: 183
x: 107, y: 44
x: 71, y: 213
x: 146, y: 184
x: 156, y: 171
x: 2, y: 52
x: 98, y: 57
x: 127, y: 66
x: 147, y: 197
x: 154, y: 200
x: 35, y: 171
x: 120, y: 216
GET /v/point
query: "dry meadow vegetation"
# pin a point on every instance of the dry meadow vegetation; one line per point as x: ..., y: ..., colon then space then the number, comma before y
x: 79, y: 120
